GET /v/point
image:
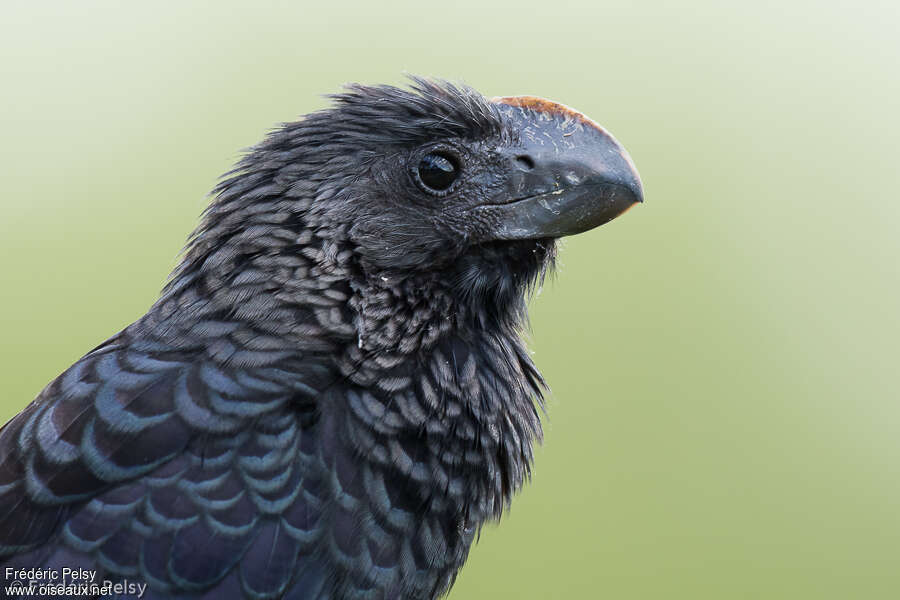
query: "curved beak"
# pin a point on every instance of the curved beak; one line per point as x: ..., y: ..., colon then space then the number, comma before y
x: 567, y: 174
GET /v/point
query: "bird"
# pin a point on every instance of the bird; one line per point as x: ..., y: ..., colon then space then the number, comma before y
x: 332, y: 394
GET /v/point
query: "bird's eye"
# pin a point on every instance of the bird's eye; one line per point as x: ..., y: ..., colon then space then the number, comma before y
x: 437, y: 171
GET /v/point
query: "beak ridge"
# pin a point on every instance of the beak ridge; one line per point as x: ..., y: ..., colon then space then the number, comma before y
x: 569, y: 174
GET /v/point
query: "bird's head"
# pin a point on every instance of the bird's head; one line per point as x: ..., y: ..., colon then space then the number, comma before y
x: 433, y: 186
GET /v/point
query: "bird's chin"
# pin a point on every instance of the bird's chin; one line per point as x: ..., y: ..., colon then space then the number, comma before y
x: 525, y: 258
x: 493, y: 278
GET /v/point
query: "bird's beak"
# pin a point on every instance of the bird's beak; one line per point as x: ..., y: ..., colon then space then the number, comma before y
x: 567, y: 174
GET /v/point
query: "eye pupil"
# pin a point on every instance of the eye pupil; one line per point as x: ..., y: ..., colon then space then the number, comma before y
x: 438, y: 171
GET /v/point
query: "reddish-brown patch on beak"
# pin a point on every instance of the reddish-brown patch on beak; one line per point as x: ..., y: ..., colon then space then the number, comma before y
x: 548, y: 106
x: 557, y: 109
x: 577, y: 176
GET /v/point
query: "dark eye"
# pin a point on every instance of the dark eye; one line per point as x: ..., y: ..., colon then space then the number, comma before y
x: 437, y: 171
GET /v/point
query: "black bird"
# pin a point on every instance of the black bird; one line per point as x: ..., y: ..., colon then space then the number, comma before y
x: 331, y: 395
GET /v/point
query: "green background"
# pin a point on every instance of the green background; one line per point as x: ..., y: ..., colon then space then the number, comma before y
x: 725, y: 419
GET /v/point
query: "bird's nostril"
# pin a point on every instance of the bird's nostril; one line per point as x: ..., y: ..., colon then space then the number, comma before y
x: 525, y: 162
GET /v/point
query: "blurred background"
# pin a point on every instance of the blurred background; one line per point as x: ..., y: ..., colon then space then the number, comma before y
x: 725, y: 418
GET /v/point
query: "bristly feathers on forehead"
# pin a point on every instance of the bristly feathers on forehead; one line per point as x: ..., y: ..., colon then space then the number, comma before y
x: 429, y: 110
x: 383, y: 114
